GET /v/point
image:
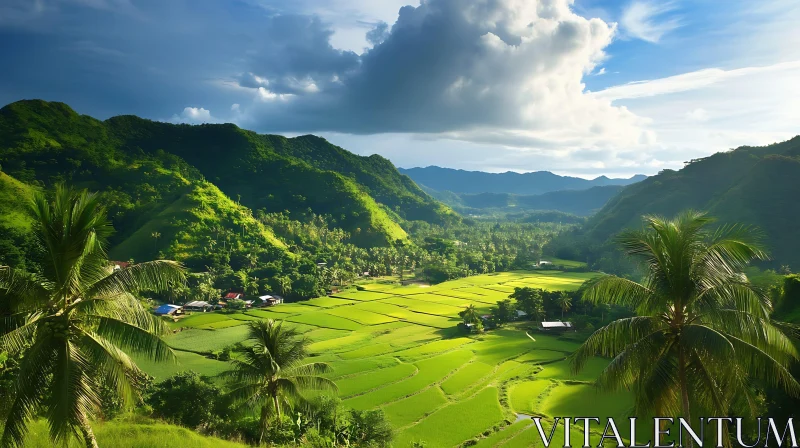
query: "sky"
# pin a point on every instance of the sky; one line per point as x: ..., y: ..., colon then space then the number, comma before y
x: 583, y: 87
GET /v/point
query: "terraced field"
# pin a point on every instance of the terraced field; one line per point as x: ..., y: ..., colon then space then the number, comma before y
x: 398, y: 349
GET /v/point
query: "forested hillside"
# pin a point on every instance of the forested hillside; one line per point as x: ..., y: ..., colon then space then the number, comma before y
x: 184, y: 192
x: 152, y: 163
x: 534, y: 183
x: 751, y: 185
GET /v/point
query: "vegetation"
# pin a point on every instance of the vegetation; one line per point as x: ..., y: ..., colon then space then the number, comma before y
x: 73, y: 323
x: 273, y: 373
x: 748, y: 185
x: 702, y: 333
x: 394, y: 273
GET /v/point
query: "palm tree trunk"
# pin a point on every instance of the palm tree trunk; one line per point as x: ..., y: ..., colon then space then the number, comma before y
x: 277, y: 405
x: 88, y: 434
x: 263, y: 424
x: 684, y: 391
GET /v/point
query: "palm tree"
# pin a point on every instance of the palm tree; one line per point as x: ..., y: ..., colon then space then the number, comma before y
x: 702, y: 330
x: 272, y: 372
x: 284, y: 285
x: 74, y: 322
x: 155, y: 236
x: 564, y: 302
x: 470, y: 314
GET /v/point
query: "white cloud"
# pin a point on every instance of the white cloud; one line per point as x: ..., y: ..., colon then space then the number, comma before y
x: 649, y: 20
x: 687, y: 81
x: 194, y: 115
x: 507, y: 72
x: 715, y: 111
x: 264, y: 94
x: 726, y: 109
x: 698, y: 114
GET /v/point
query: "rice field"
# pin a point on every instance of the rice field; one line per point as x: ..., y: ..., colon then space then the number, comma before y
x: 397, y: 348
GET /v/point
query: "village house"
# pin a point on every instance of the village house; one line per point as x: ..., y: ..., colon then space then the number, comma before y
x: 270, y: 300
x: 169, y: 310
x: 198, y: 305
x: 555, y: 326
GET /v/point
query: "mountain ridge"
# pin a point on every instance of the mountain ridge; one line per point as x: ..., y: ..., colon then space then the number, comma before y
x: 180, y: 181
x: 751, y: 185
x: 530, y: 183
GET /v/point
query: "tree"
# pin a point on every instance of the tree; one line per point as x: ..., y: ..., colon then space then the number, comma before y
x: 155, y: 236
x: 205, y: 290
x: 185, y: 399
x: 283, y: 284
x: 505, y: 311
x: 251, y: 287
x: 702, y: 330
x: 530, y: 301
x: 235, y: 304
x: 272, y: 372
x: 564, y: 302
x: 74, y: 322
x: 470, y: 316
x: 369, y: 428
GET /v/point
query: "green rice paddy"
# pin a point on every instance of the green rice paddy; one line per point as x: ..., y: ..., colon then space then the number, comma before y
x: 398, y: 349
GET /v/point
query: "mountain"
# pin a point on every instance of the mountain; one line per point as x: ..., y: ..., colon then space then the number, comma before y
x: 575, y: 202
x: 751, y: 185
x: 176, y: 189
x: 475, y: 182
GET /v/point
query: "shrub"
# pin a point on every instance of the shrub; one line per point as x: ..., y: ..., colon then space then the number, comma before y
x: 187, y: 399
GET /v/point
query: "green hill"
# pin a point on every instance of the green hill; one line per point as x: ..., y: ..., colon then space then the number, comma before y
x: 174, y: 188
x: 750, y: 185
x: 15, y: 222
x: 134, y: 435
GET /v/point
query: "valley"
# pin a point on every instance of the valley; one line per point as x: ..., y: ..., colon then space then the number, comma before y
x: 399, y: 349
x: 414, y: 317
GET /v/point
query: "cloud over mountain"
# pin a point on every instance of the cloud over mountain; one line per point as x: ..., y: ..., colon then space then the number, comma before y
x: 502, y: 71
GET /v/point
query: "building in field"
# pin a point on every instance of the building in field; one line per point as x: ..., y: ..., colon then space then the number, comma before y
x: 198, y: 305
x: 169, y: 310
x: 270, y: 300
x: 234, y: 296
x: 555, y: 326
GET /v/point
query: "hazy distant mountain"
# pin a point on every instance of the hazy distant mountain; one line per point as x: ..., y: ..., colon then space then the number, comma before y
x: 538, y: 182
x: 575, y: 202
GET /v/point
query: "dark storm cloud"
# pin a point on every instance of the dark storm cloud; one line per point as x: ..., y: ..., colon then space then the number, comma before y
x: 504, y: 71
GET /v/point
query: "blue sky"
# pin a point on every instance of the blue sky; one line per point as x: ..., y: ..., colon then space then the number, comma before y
x: 584, y: 88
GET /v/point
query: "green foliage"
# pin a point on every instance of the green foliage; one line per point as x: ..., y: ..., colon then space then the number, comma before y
x: 186, y: 399
x: 504, y: 312
x: 73, y: 322
x: 749, y: 185
x: 530, y: 301
x: 271, y: 372
x: 698, y: 319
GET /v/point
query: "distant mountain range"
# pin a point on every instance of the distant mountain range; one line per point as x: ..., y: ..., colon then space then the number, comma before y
x: 575, y: 202
x: 534, y: 183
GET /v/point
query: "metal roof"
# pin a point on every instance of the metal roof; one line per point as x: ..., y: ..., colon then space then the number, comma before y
x: 198, y: 303
x: 557, y: 324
